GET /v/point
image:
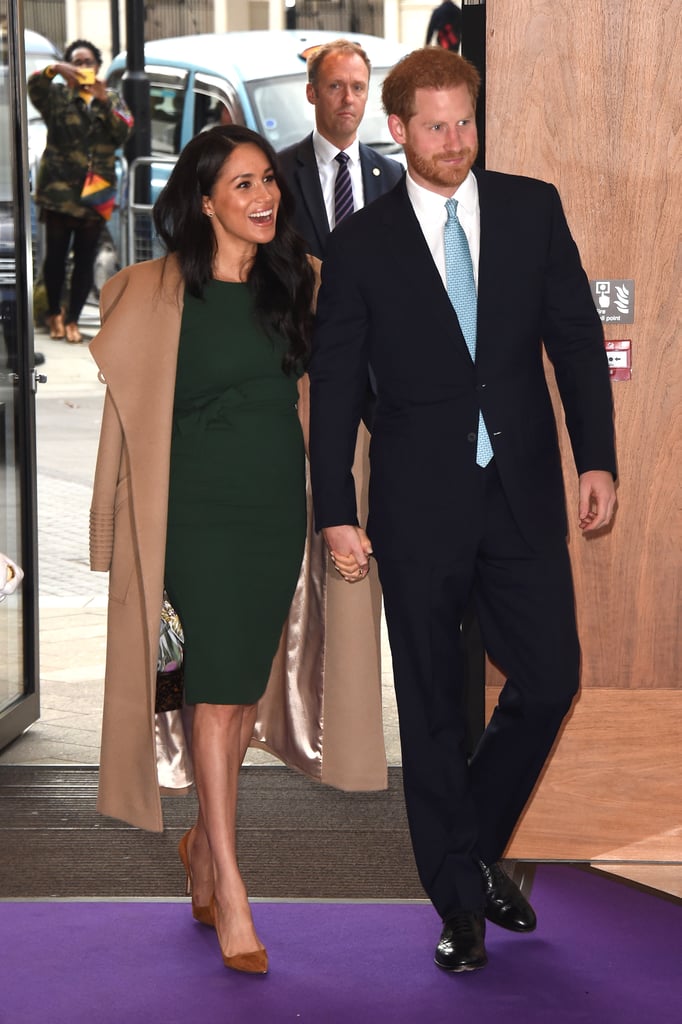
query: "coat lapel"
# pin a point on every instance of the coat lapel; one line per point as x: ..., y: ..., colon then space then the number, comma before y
x: 138, y: 359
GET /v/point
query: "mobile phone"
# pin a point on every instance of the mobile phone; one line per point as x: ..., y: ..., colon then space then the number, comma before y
x: 86, y: 76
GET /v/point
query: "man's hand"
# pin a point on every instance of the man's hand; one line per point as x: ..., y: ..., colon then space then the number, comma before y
x: 350, y: 548
x: 596, y: 499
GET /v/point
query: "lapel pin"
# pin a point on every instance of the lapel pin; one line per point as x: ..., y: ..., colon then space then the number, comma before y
x: 376, y: 172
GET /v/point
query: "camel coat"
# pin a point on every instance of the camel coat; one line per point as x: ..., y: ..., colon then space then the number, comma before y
x: 321, y: 712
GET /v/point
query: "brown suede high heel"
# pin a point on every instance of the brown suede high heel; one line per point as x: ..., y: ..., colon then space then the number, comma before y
x: 255, y: 962
x: 204, y: 915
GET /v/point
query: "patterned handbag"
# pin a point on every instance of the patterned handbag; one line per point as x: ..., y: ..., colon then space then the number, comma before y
x: 169, y: 671
x: 98, y: 194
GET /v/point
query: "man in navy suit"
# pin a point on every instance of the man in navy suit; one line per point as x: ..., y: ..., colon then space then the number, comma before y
x: 447, y: 519
x: 338, y: 84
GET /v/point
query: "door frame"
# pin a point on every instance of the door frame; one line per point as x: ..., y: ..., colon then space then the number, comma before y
x: 22, y: 712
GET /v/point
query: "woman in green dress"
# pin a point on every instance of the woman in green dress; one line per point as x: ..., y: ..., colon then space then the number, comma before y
x: 236, y: 509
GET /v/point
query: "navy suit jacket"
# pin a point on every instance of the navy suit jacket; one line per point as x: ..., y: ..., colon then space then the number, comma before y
x: 382, y: 304
x: 298, y: 166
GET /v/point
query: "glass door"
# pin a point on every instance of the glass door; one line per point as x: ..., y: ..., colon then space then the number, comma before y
x: 19, y: 687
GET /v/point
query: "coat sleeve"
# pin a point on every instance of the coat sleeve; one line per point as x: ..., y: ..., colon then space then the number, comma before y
x: 116, y: 116
x: 574, y: 340
x: 338, y: 372
x: 41, y: 91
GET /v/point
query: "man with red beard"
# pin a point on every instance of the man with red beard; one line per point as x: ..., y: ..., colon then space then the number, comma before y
x: 449, y: 287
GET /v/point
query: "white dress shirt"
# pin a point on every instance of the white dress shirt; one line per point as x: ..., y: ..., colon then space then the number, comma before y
x: 430, y: 211
x: 327, y: 166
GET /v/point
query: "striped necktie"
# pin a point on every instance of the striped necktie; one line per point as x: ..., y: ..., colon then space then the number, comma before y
x: 459, y: 275
x: 343, y: 189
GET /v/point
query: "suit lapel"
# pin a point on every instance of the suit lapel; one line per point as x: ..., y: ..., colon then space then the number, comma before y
x: 373, y: 181
x: 311, y: 190
x: 414, y: 265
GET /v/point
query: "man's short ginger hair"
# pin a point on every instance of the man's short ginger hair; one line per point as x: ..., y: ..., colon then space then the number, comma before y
x: 320, y: 53
x: 431, y: 67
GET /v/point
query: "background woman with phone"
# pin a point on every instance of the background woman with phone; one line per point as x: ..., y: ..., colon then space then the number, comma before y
x: 86, y: 124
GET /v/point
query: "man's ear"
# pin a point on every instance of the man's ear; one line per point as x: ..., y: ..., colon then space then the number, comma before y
x: 397, y: 129
x: 310, y: 93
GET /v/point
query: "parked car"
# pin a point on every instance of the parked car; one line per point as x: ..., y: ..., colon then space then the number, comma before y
x: 253, y: 78
x: 39, y: 52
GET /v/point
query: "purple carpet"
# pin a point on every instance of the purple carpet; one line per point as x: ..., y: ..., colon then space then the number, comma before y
x: 604, y: 953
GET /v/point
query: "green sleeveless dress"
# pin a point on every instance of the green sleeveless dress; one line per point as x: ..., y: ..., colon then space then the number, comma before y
x: 236, y: 508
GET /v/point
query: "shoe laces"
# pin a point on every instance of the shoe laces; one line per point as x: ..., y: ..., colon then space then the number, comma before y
x: 461, y: 924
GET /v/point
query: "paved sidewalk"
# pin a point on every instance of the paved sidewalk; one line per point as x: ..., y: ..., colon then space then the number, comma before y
x: 72, y: 607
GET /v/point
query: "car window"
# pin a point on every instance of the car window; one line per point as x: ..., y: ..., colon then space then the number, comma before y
x: 167, y: 89
x: 215, y: 102
x: 166, y: 104
x: 282, y: 111
x: 373, y: 129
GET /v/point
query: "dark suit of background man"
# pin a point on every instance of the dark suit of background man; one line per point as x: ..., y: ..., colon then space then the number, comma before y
x: 441, y: 525
x: 338, y: 84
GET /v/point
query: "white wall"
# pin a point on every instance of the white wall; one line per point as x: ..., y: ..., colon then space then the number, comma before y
x: 405, y: 21
x: 413, y: 20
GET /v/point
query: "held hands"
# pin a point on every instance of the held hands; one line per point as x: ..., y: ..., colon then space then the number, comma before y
x: 350, y: 548
x: 596, y: 499
x: 10, y: 576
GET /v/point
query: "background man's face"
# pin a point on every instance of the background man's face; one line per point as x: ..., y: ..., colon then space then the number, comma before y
x: 339, y: 97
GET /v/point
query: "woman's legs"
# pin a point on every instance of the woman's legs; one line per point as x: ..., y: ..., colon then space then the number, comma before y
x: 220, y: 737
x: 57, y: 241
x: 85, y: 241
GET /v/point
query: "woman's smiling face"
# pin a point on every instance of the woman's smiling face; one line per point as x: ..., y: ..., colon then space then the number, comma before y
x: 245, y: 197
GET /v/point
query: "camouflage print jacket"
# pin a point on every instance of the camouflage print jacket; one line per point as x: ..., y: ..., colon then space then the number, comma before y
x: 79, y: 136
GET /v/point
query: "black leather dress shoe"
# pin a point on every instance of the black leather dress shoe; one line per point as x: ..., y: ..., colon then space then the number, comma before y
x: 462, y: 945
x: 505, y: 904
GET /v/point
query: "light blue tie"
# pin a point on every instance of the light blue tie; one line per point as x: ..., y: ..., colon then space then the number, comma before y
x: 459, y: 275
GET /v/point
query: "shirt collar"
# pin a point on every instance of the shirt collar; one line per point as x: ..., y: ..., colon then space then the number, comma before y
x: 431, y: 205
x: 325, y: 151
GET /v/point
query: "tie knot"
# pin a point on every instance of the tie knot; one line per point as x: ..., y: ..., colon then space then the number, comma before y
x: 451, y: 207
x: 342, y: 158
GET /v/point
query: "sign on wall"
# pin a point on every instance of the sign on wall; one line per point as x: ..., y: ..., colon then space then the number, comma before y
x: 615, y: 300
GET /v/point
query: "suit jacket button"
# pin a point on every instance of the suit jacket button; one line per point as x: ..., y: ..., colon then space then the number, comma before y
x: 471, y: 438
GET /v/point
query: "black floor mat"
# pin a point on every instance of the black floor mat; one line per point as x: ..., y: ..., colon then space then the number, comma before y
x: 296, y: 839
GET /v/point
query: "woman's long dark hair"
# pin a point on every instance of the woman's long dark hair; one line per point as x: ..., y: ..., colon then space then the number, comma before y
x: 281, y: 278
